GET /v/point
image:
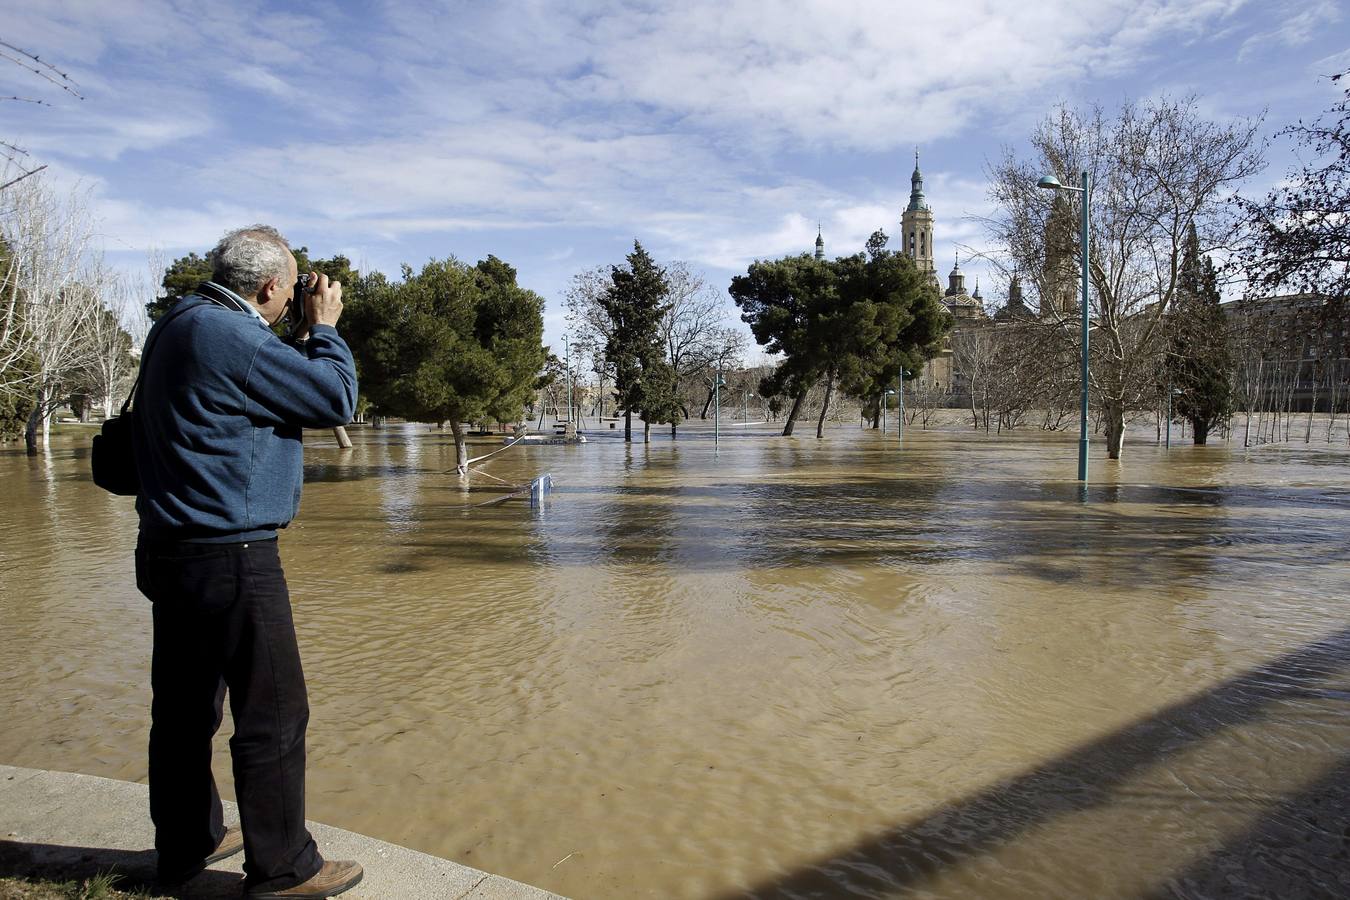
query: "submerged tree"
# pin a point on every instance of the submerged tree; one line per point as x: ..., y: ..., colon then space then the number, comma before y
x: 1198, y: 362
x: 853, y: 322
x: 1156, y: 168
x: 50, y: 288
x: 634, y: 302
x: 452, y: 343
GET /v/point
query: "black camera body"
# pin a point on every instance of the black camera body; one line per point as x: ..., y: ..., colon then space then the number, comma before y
x: 295, y: 310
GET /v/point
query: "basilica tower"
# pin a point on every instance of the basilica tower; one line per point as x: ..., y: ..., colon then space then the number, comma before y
x: 916, y: 226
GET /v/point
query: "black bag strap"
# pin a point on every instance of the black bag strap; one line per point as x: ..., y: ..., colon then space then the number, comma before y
x: 145, y: 354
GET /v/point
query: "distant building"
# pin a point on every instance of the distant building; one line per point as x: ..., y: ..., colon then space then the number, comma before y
x: 1290, y: 351
x: 916, y: 226
x: 966, y: 309
x: 1016, y: 309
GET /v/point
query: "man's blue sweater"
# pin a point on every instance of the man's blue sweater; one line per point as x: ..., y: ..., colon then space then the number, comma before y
x: 218, y: 418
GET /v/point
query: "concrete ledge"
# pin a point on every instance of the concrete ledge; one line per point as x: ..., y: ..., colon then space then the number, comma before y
x: 63, y: 825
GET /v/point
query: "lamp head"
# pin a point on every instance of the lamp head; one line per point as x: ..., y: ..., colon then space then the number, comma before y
x: 1049, y: 182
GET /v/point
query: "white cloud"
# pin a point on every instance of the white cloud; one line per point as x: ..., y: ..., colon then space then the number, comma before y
x: 260, y: 80
x: 551, y: 125
x: 841, y: 73
x: 1299, y: 21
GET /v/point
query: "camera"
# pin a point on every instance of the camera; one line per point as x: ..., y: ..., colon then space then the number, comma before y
x: 295, y: 310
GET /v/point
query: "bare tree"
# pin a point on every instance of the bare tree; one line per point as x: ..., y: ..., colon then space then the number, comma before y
x: 975, y: 355
x: 695, y: 329
x: 52, y: 291
x: 1156, y: 167
x: 109, y: 364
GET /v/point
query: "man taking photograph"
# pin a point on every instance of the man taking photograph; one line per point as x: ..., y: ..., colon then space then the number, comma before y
x: 219, y: 412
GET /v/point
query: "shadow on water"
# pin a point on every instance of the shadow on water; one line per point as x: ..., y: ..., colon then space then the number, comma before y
x: 1310, y: 834
x: 1296, y: 835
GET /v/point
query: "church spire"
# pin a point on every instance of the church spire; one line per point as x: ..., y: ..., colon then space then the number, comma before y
x: 956, y: 281
x: 916, y: 198
x: 820, y: 243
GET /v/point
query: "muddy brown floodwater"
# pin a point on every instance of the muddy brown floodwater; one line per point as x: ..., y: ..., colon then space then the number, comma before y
x: 801, y: 668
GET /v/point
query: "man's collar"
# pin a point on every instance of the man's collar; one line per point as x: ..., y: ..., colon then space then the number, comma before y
x: 223, y: 296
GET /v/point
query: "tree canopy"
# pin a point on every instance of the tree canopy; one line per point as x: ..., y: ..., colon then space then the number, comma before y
x: 1198, y: 362
x: 1301, y: 230
x: 634, y: 303
x: 452, y: 343
x: 186, y: 273
x: 1157, y: 167
x: 855, y: 321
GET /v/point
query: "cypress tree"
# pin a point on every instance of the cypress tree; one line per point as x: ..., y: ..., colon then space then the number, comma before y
x: 634, y: 301
x: 1198, y: 360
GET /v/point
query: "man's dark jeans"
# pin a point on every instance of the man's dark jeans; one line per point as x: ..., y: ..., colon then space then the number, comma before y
x: 222, y: 619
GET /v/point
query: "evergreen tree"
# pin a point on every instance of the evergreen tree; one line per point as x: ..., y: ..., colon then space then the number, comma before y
x: 661, y: 400
x: 1198, y: 360
x: 183, y: 276
x: 901, y: 321
x: 855, y: 321
x: 16, y: 403
x: 634, y: 303
x: 453, y: 343
x: 783, y: 301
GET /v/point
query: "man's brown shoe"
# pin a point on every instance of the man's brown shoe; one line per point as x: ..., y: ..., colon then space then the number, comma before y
x: 331, y: 880
x: 229, y: 845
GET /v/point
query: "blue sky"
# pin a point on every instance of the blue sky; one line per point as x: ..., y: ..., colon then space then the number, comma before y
x: 553, y: 134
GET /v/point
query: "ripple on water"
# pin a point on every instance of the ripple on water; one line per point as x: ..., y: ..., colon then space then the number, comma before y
x: 803, y: 668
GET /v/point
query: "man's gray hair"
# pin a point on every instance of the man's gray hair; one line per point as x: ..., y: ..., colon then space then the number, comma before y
x: 245, y: 259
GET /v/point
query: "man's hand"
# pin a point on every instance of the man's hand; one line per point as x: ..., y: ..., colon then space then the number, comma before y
x: 323, y: 302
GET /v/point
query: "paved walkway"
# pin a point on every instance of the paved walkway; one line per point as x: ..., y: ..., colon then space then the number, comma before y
x: 56, y: 824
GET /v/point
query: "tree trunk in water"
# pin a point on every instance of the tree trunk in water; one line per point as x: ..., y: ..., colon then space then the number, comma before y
x: 30, y: 438
x: 792, y: 414
x: 1114, y: 420
x: 707, y: 405
x: 461, y: 448
x: 876, y: 420
x: 825, y: 407
x: 646, y: 432
x: 628, y: 426
x: 672, y: 430
x: 1199, y: 431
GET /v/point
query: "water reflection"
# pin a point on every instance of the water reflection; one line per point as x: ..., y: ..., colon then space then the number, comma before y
x: 797, y: 668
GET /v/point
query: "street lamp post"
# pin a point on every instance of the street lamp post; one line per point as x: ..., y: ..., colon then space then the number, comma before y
x: 885, y: 402
x: 1171, y: 392
x: 567, y: 357
x: 1050, y: 182
x: 900, y: 408
x: 717, y: 403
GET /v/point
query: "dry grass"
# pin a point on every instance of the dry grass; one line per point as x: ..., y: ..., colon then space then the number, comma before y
x: 100, y: 887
